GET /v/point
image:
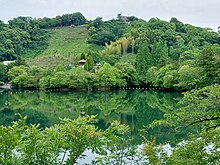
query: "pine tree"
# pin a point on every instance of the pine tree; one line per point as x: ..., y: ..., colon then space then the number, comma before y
x: 89, y: 62
x: 143, y: 59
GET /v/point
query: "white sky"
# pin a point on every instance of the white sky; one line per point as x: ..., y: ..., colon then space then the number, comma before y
x: 204, y: 13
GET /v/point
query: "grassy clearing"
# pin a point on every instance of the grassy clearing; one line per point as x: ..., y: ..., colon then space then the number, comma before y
x: 64, y: 47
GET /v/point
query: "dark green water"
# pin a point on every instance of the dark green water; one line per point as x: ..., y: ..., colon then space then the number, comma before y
x: 135, y: 108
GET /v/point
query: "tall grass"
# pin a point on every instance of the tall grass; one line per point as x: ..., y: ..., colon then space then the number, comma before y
x: 64, y: 47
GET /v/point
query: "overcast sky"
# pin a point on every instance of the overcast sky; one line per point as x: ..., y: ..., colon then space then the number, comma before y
x: 204, y: 13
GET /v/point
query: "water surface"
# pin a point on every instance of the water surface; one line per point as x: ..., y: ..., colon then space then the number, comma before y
x: 136, y: 108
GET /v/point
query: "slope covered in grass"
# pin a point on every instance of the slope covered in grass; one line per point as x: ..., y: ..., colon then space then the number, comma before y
x: 64, y: 47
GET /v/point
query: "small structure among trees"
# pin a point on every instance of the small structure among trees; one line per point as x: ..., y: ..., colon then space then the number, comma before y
x: 82, y: 62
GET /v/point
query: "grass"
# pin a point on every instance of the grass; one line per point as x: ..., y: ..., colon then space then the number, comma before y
x: 65, y: 46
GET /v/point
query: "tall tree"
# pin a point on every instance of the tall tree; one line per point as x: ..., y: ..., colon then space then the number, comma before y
x: 209, y: 61
x: 90, y: 62
x: 144, y: 59
x: 159, y: 53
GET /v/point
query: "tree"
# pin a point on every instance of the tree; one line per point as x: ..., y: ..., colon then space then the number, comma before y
x: 179, y: 25
x: 17, y: 71
x: 166, y: 76
x: 144, y: 59
x: 128, y: 73
x: 199, y: 109
x: 170, y: 79
x: 97, y: 23
x: 80, y: 78
x: 51, y: 145
x: 83, y: 56
x: 189, y: 77
x: 89, y: 65
x: 59, y: 80
x: 132, y: 45
x: 209, y: 61
x: 159, y: 53
x: 124, y: 44
x: 151, y: 76
x: 109, y: 76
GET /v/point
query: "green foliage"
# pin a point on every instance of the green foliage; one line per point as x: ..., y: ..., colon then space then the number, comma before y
x: 199, y: 108
x: 194, y: 51
x: 22, y: 144
x: 170, y: 55
x: 112, y: 59
x: 196, y: 69
x: 208, y: 60
x: 189, y: 77
x: 89, y: 62
x: 3, y: 72
x: 144, y: 59
x: 151, y: 76
x: 80, y: 78
x: 203, y: 150
x: 60, y: 77
x: 73, y: 19
x: 101, y: 32
x: 35, y: 38
x: 128, y: 58
x: 159, y: 53
x: 109, y: 76
x: 24, y: 36
x: 128, y: 73
x: 180, y: 27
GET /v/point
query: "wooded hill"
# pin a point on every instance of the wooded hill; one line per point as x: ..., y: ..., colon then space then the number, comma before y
x: 121, y: 52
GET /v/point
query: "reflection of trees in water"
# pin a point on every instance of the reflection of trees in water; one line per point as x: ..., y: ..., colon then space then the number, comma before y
x: 7, y: 116
x: 132, y: 107
x: 34, y: 117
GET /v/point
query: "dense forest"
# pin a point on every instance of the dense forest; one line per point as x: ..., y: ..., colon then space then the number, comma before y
x: 125, y: 52
x: 169, y: 55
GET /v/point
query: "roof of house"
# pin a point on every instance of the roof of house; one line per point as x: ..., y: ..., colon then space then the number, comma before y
x: 82, y: 61
x: 125, y: 18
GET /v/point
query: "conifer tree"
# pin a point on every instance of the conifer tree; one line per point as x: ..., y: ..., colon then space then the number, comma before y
x: 143, y: 60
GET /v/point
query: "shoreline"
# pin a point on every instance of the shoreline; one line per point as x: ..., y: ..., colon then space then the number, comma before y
x: 10, y: 87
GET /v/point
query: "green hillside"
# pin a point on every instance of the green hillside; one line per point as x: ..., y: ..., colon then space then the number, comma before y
x: 154, y: 53
x: 64, y: 47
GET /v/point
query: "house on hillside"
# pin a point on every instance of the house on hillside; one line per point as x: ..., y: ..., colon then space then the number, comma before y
x: 82, y: 62
x: 124, y: 18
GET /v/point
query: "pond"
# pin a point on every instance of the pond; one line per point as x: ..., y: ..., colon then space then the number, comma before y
x: 136, y: 108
